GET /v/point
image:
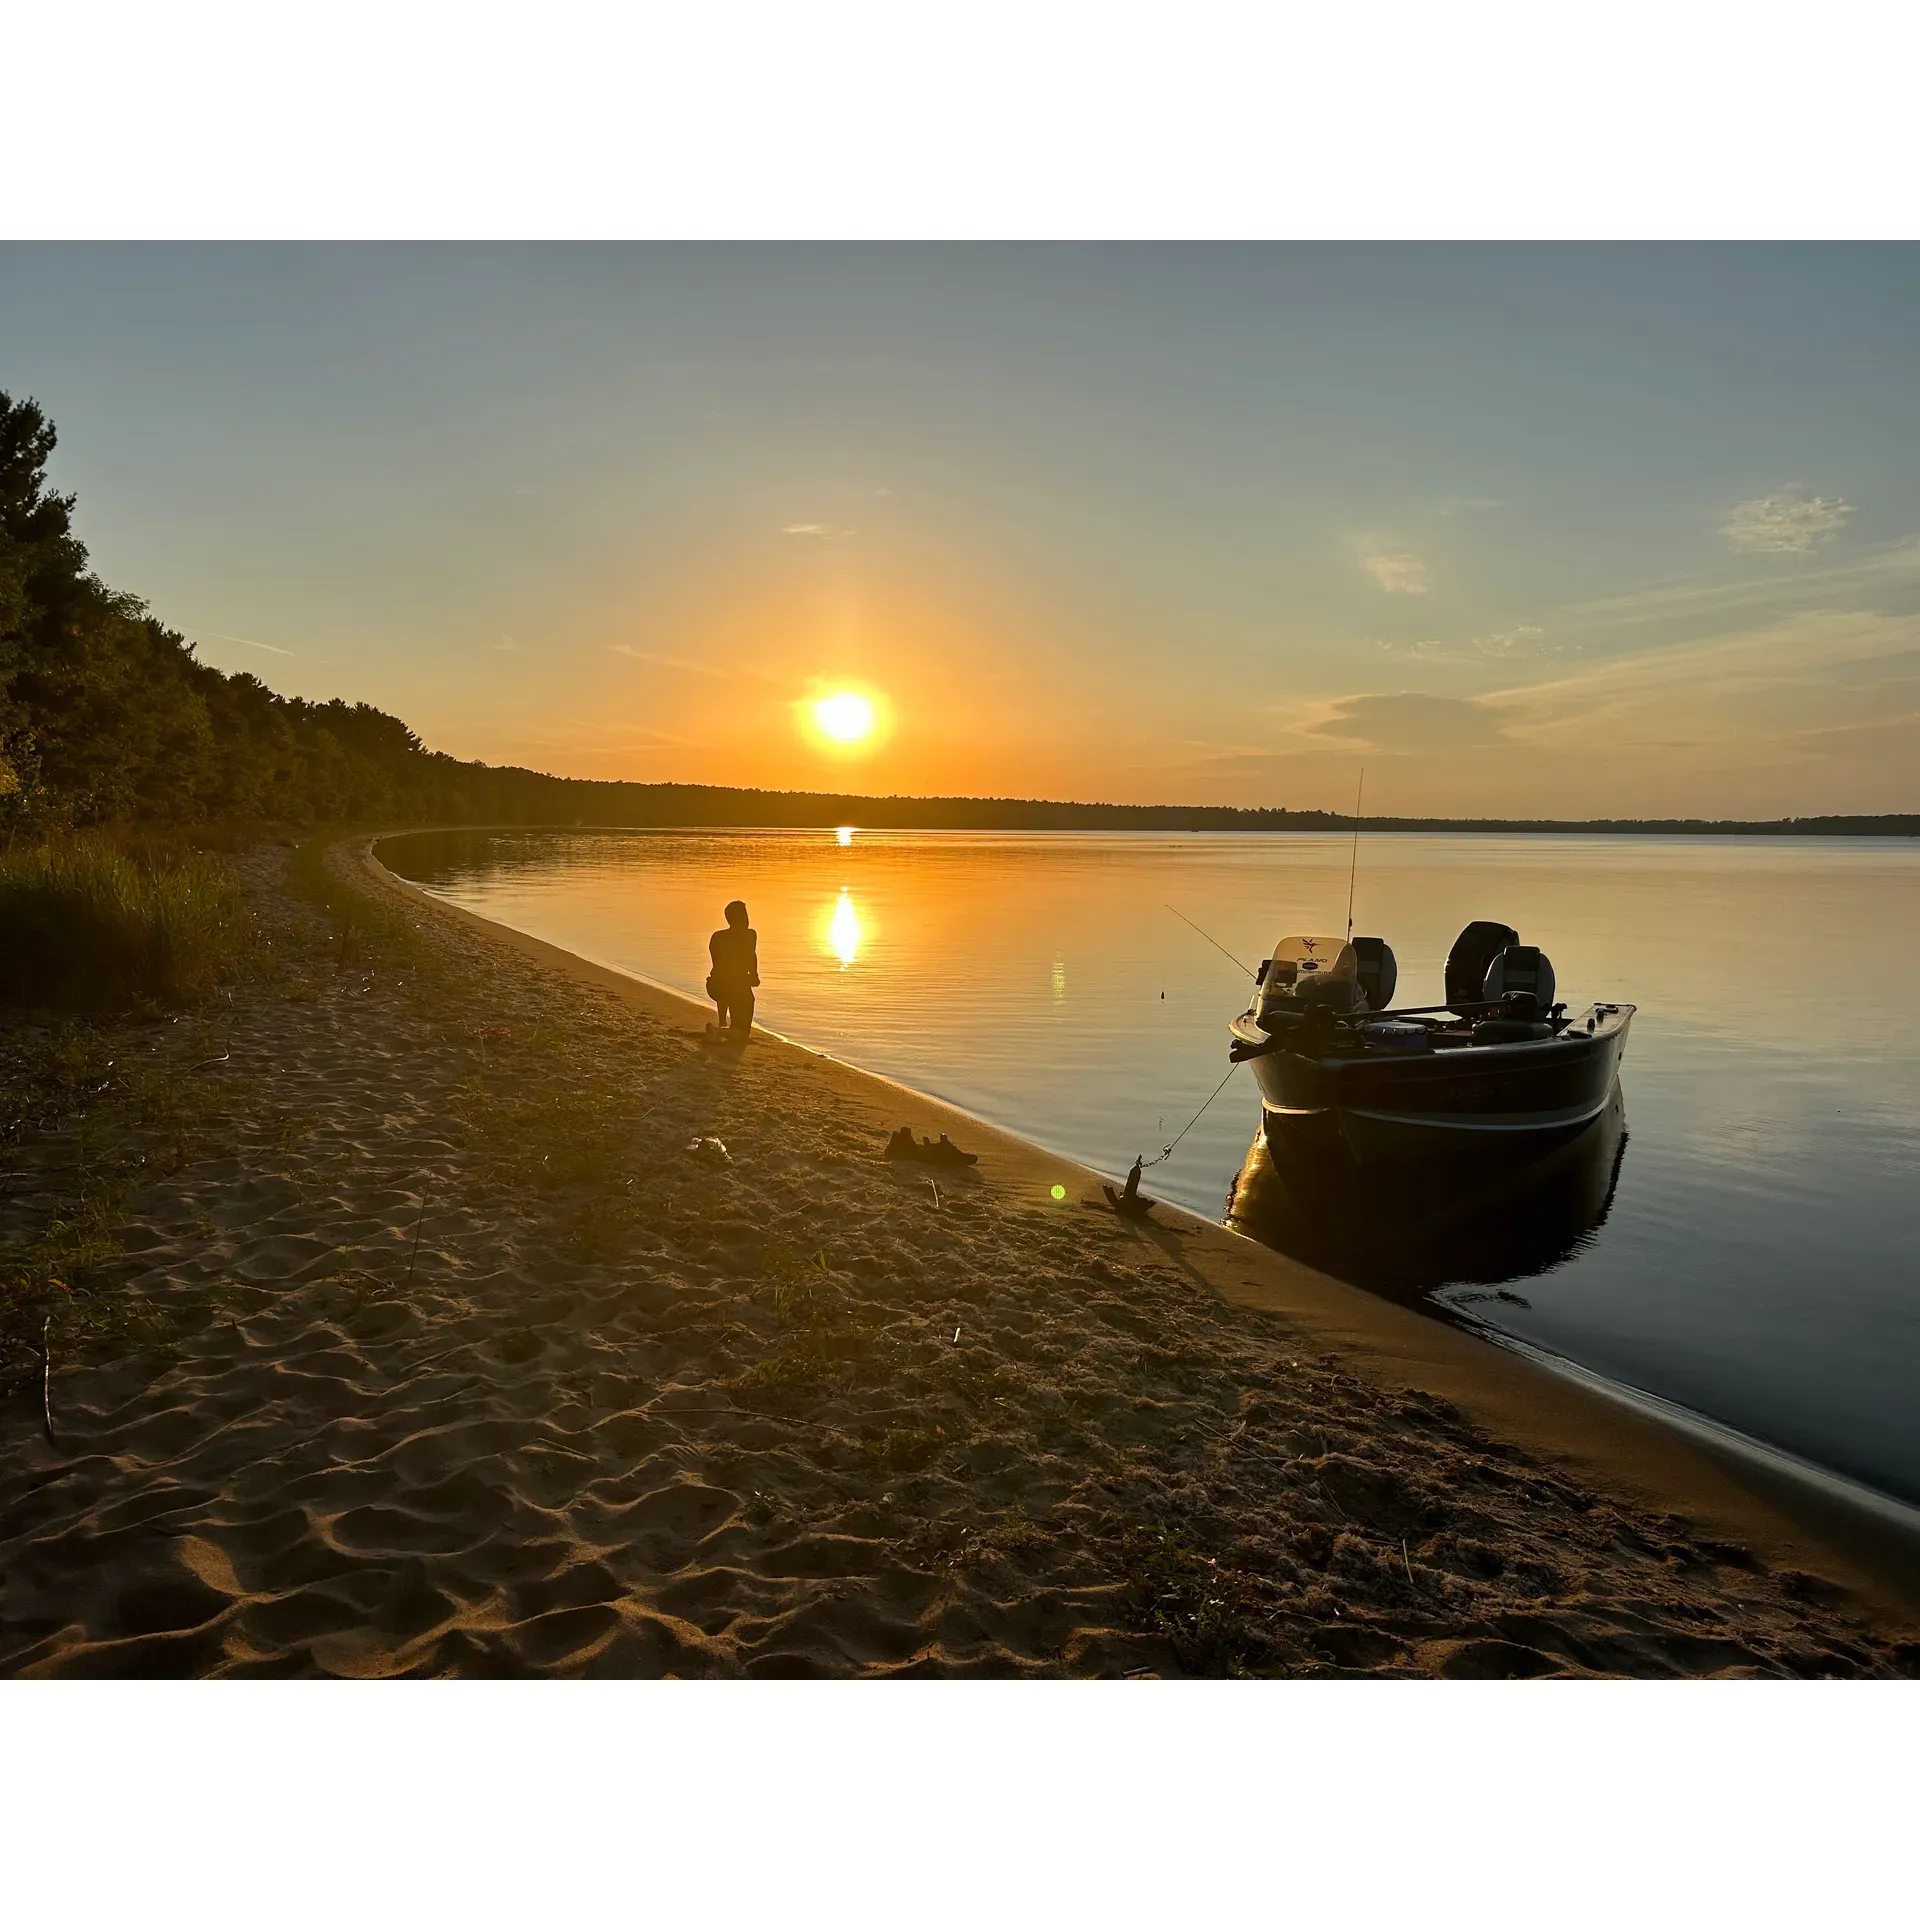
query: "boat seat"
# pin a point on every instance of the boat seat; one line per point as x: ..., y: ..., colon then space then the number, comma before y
x: 1520, y: 970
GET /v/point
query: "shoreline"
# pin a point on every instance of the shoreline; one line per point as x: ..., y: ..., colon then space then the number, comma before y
x: 459, y: 1312
x: 1630, y: 1444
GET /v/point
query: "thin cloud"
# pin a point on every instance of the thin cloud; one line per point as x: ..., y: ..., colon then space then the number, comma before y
x: 240, y: 640
x: 1894, y: 564
x: 1510, y: 643
x: 699, y: 667
x: 667, y: 661
x: 1398, y: 572
x: 817, y: 530
x: 1790, y: 521
x: 1762, y: 695
x: 506, y: 644
x: 630, y: 733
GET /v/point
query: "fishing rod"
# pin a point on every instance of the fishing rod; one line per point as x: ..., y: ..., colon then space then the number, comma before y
x: 1210, y: 940
x: 1353, y: 868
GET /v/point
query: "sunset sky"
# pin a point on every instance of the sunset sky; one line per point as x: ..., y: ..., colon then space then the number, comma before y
x: 1526, y: 530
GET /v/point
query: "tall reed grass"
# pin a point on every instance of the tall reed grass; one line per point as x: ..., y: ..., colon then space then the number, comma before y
x: 90, y: 924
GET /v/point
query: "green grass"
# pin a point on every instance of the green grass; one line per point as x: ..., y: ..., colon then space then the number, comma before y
x: 360, y: 929
x: 94, y: 924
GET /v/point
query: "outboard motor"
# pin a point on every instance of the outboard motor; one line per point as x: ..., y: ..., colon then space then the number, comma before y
x: 1307, y: 972
x: 1378, y: 971
x: 1473, y: 953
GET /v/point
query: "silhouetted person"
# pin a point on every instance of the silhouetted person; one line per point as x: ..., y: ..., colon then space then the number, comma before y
x: 735, y: 951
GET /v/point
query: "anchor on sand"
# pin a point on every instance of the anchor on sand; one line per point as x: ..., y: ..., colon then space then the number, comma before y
x: 1129, y: 1203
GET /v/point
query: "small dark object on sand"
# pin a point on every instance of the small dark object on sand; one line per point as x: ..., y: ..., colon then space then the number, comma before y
x: 928, y: 1153
x: 1129, y: 1203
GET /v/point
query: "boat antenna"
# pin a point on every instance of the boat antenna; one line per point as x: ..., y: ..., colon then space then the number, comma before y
x: 1210, y: 940
x: 1353, y: 867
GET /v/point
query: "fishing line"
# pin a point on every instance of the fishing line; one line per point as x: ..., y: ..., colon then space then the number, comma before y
x: 1210, y: 940
x: 1353, y: 869
x: 1166, y: 1152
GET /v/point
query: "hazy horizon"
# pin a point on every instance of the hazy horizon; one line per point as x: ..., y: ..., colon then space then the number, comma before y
x: 1531, y: 531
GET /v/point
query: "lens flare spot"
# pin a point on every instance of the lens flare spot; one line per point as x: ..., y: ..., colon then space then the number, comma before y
x: 1059, y: 1192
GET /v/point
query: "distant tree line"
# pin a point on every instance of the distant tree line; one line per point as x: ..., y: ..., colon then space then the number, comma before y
x: 107, y: 717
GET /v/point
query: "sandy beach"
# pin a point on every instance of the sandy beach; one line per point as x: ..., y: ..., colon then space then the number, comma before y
x: 496, y: 1325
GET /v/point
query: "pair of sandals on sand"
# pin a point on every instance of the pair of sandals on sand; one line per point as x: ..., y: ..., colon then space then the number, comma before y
x: 927, y: 1153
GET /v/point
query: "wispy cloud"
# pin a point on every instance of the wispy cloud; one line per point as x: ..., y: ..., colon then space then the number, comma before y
x: 506, y: 644
x: 1509, y: 643
x: 817, y: 530
x: 240, y: 640
x: 574, y: 735
x: 1790, y: 521
x: 1897, y: 563
x: 702, y: 668
x: 666, y: 660
x: 1819, y: 711
x: 1397, y: 572
x: 1512, y: 643
x: 1767, y: 693
x: 626, y: 733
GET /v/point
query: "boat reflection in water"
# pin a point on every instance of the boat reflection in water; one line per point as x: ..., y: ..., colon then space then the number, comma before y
x: 1473, y: 1219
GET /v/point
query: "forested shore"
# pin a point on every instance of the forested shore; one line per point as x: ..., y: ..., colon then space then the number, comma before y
x: 107, y: 718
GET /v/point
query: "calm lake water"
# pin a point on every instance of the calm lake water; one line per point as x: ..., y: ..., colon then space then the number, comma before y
x: 1741, y: 1237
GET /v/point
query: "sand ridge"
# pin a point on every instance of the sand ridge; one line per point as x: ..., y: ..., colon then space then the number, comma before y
x: 479, y: 1369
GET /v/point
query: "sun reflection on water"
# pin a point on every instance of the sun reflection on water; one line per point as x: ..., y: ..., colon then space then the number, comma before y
x: 844, y: 930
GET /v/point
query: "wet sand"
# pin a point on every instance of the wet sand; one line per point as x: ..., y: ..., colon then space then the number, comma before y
x: 479, y: 1366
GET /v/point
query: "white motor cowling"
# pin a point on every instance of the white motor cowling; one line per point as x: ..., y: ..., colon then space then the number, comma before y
x: 1311, y: 970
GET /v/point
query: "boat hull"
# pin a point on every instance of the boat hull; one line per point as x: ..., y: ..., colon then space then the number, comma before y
x: 1523, y: 1212
x: 1373, y: 1108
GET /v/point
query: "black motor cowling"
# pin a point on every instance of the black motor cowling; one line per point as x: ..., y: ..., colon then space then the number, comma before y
x: 1473, y: 953
x: 1379, y: 971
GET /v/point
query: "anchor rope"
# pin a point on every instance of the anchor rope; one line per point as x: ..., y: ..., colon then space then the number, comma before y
x: 1166, y: 1152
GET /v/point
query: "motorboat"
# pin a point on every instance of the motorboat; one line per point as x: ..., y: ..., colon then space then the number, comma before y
x: 1499, y: 1062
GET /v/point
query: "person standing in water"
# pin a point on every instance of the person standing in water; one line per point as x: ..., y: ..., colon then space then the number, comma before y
x: 735, y: 951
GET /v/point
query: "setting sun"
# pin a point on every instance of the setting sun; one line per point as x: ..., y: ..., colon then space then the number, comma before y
x: 844, y: 717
